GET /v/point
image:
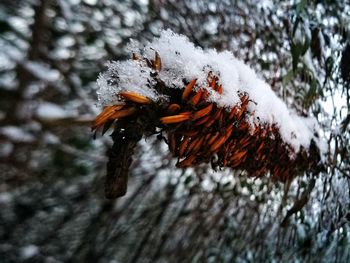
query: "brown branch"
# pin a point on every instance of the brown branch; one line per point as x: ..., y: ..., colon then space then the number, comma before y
x: 120, y: 159
x: 66, y: 121
x: 37, y: 44
x: 345, y: 123
x: 299, y: 203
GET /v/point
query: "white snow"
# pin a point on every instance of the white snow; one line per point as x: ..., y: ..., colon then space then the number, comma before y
x: 5, y: 198
x: 6, y: 149
x: 182, y: 60
x: 50, y: 111
x: 90, y: 2
x: 133, y: 76
x: 42, y: 71
x: 16, y: 134
x: 29, y: 251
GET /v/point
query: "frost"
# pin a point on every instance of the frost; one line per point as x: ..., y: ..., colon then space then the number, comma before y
x: 182, y: 60
x: 127, y: 75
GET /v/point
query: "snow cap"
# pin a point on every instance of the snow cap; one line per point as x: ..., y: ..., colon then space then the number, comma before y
x: 181, y: 59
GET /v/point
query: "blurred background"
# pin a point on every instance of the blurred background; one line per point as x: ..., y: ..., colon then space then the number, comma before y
x: 52, y: 206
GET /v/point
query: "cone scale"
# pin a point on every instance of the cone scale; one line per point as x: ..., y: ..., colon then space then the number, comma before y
x: 199, y: 131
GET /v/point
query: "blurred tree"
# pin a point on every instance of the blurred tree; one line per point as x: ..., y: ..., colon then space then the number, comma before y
x: 51, y: 204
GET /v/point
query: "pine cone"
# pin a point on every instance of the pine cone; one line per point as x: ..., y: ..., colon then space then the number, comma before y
x: 198, y: 131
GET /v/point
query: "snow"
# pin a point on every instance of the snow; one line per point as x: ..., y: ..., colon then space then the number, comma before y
x: 132, y: 76
x: 66, y: 9
x: 16, y: 134
x: 5, y: 198
x: 51, y: 138
x: 50, y: 111
x: 6, y: 149
x: 182, y: 60
x: 29, y: 251
x: 90, y: 2
x: 42, y: 71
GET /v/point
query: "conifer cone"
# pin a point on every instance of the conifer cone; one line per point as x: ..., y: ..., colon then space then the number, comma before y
x: 198, y: 130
